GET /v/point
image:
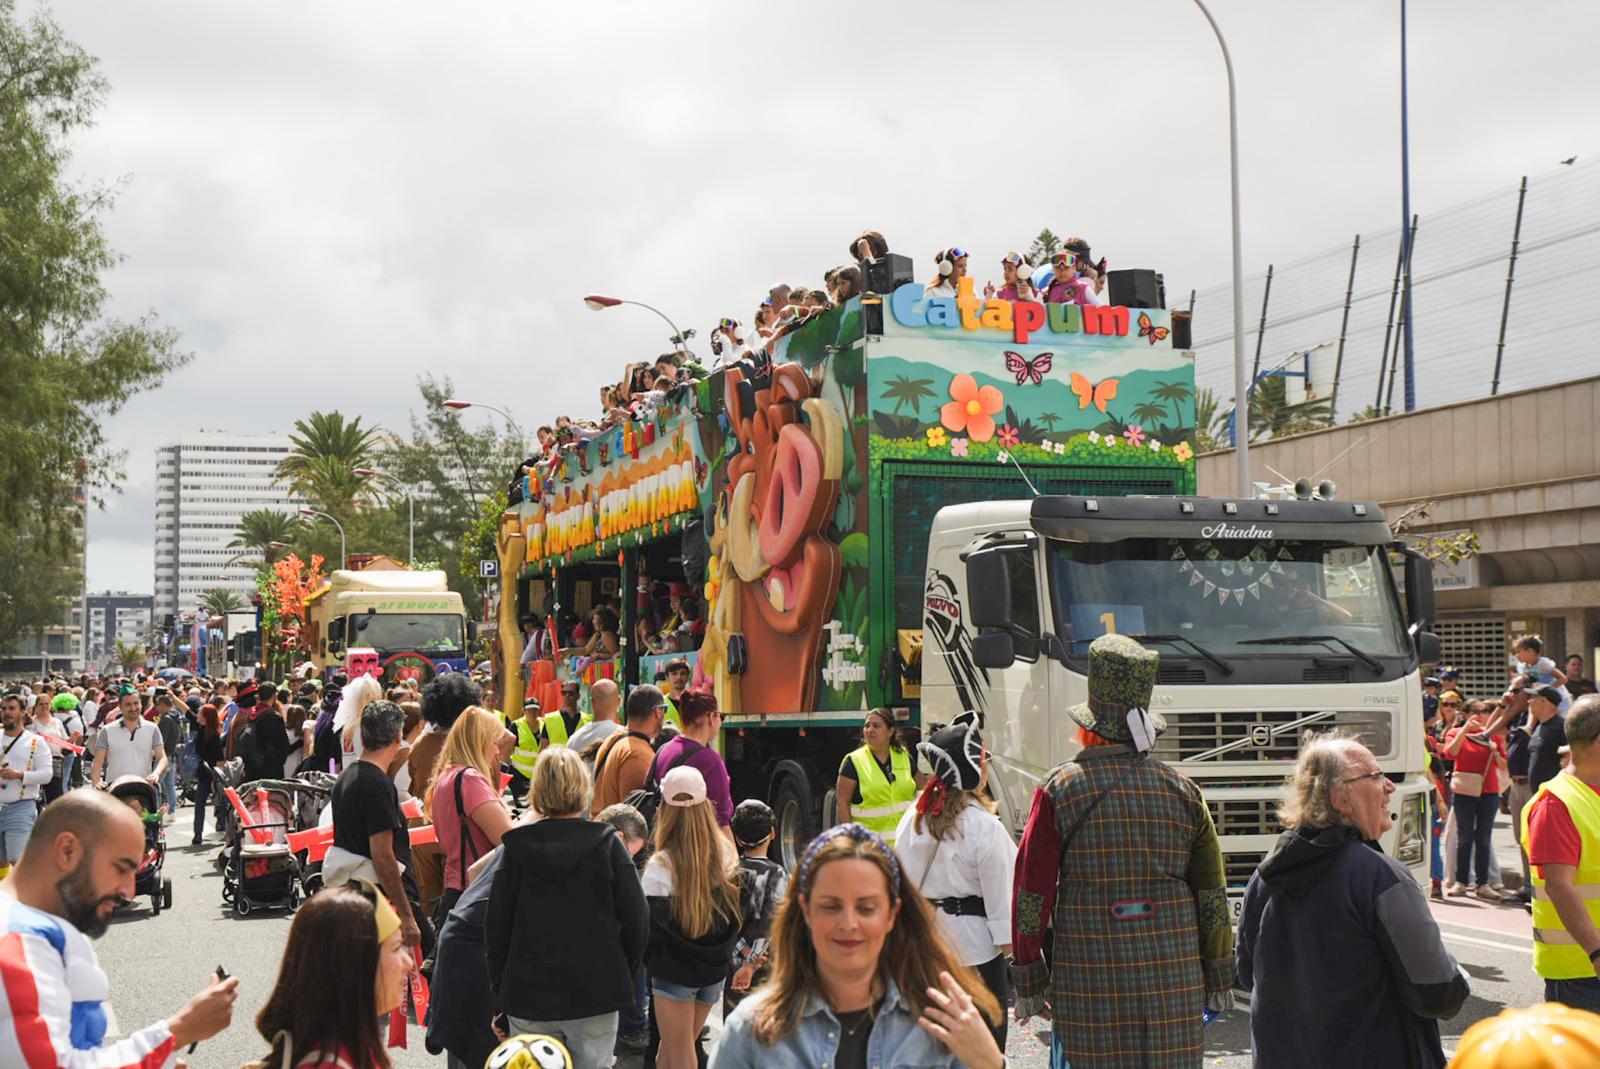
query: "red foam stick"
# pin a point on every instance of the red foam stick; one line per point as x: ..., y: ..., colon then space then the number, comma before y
x: 61, y: 744
x: 244, y: 817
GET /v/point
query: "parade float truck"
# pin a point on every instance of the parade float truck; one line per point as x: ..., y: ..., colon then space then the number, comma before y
x: 412, y: 619
x: 937, y: 504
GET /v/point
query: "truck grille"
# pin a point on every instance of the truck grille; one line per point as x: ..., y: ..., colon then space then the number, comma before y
x: 1245, y: 816
x: 1238, y: 867
x: 1263, y: 735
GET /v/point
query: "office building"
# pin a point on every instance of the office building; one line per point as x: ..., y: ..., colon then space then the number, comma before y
x: 112, y: 617
x: 205, y: 482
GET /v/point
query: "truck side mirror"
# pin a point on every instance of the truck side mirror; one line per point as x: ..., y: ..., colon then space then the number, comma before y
x: 472, y: 630
x: 335, y: 634
x: 993, y: 649
x: 988, y: 589
x: 1428, y: 649
x: 1419, y: 588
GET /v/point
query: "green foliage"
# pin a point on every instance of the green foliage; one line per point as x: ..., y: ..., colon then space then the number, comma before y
x: 260, y: 528
x: 220, y: 601
x: 1272, y: 416
x: 479, y: 541
x: 1043, y: 247
x: 853, y: 550
x: 1026, y: 431
x: 892, y: 426
x: 848, y: 368
x: 1080, y: 450
x: 129, y: 658
x: 66, y: 367
x: 1371, y: 412
x: 1211, y: 426
x: 321, y: 465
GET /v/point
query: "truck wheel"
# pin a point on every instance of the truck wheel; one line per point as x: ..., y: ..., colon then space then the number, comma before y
x: 796, y: 818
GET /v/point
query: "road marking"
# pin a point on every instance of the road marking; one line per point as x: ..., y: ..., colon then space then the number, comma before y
x: 1454, y: 938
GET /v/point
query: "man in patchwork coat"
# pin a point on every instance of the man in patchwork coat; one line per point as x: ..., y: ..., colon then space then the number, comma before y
x: 1121, y: 928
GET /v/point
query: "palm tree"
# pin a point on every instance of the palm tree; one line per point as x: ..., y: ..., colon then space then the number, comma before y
x: 1049, y: 419
x: 326, y: 436
x: 1272, y: 416
x: 908, y: 391
x: 220, y: 601
x: 259, y: 529
x: 331, y: 484
x: 1174, y: 393
x: 129, y: 658
x: 1210, y: 426
x: 1148, y: 412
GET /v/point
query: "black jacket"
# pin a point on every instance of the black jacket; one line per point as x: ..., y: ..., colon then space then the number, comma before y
x: 1345, y: 960
x: 567, y: 922
x: 677, y: 959
x: 461, y: 1009
x: 263, y: 743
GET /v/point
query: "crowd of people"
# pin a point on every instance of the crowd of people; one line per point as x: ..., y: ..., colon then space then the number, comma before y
x: 623, y: 894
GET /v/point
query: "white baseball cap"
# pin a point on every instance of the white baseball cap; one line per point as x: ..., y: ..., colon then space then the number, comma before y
x: 683, y: 786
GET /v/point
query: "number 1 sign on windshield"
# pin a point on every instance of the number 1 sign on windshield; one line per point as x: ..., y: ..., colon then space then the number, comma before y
x: 1090, y: 620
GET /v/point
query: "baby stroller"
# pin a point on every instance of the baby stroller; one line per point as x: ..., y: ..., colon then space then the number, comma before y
x: 261, y: 871
x: 143, y: 797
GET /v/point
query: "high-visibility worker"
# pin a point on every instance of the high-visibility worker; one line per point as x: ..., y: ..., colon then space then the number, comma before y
x: 1561, y: 833
x: 678, y: 674
x: 557, y: 727
x: 525, y: 752
x: 879, y: 780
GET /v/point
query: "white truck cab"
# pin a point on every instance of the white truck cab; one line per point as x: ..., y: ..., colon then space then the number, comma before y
x: 1273, y: 618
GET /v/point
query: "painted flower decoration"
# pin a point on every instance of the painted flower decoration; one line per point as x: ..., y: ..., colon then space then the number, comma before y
x: 1183, y: 452
x: 1003, y: 457
x: 1110, y: 441
x: 958, y: 447
x: 1094, y: 436
x: 1134, y: 434
x: 1009, y: 436
x: 936, y: 437
x: 1155, y: 446
x: 1060, y: 447
x: 971, y: 408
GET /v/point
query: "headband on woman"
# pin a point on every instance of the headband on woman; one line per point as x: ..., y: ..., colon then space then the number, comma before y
x: 859, y: 834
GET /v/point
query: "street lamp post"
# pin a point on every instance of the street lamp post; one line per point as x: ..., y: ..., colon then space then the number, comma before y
x: 411, y: 513
x: 1241, y: 378
x: 458, y: 404
x: 599, y: 302
x: 343, y: 554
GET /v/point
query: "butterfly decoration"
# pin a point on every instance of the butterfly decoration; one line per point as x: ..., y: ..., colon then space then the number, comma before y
x: 1025, y: 369
x: 1096, y: 394
x: 1150, y: 330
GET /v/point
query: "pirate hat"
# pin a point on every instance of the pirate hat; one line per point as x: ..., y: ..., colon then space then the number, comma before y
x: 955, y: 753
x: 246, y: 697
x: 1122, y: 675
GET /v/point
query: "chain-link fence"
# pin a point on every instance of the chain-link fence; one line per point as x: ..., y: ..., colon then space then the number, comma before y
x: 1471, y: 336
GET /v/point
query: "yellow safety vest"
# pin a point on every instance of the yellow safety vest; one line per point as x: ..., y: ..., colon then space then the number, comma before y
x: 555, y: 727
x: 1556, y: 954
x: 526, y: 751
x: 672, y: 716
x: 882, y: 802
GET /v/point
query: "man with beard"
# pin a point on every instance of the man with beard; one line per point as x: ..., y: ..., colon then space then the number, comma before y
x: 78, y: 868
x: 24, y: 770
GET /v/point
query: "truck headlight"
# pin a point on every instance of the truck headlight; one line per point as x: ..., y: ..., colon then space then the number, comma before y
x: 1411, y: 831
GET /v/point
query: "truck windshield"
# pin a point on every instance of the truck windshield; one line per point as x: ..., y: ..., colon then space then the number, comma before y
x: 1228, y: 594
x: 438, y: 634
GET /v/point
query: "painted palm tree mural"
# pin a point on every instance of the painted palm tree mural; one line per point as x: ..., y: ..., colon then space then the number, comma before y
x: 905, y: 390
x: 1174, y: 394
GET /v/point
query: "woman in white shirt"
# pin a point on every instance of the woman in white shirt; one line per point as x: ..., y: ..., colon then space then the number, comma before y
x: 954, y: 848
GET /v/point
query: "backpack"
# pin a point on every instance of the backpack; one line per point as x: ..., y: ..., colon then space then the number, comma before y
x: 647, y: 799
x: 244, y: 747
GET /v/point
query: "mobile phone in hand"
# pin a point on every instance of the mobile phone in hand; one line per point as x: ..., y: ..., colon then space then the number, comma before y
x: 222, y: 974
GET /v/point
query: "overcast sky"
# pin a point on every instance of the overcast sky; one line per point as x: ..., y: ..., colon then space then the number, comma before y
x: 330, y: 199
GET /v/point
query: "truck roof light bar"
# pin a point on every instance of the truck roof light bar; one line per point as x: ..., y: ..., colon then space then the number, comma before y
x: 1360, y: 510
x: 1272, y: 509
x: 1230, y: 508
x: 1091, y: 505
x: 1186, y: 507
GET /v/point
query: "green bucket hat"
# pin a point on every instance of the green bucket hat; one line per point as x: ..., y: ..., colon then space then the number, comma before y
x: 1122, y: 675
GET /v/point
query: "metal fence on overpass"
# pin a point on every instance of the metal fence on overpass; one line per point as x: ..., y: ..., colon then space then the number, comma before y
x: 1474, y: 332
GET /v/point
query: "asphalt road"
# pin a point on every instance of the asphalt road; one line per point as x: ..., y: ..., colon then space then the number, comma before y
x: 157, y: 962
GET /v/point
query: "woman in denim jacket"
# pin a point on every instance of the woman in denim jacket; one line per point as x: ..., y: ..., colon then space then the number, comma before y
x: 862, y: 976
